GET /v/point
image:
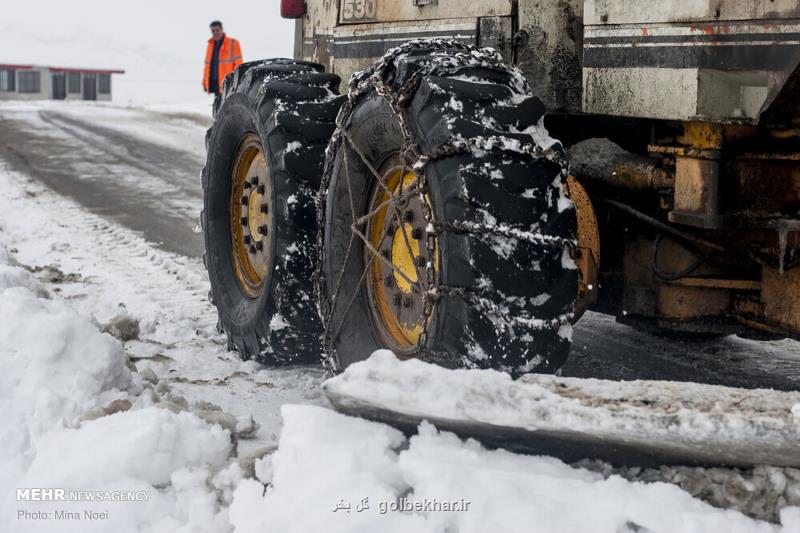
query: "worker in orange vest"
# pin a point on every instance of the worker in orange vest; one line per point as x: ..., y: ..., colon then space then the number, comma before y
x: 223, y: 55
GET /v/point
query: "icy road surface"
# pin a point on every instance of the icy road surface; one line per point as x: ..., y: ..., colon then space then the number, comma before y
x: 100, y: 203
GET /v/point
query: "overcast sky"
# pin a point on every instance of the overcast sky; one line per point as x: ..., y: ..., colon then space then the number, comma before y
x: 160, y: 44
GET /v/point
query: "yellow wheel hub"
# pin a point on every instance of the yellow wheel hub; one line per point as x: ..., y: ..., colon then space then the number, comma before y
x: 251, y: 220
x: 397, y: 258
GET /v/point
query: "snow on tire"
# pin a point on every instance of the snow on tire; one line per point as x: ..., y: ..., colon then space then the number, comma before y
x: 497, y: 281
x: 265, y: 160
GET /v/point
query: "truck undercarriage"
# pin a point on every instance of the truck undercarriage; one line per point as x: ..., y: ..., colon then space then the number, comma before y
x: 697, y: 100
x: 431, y: 213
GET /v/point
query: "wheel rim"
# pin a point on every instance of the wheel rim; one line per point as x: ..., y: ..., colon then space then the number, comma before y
x: 397, y: 258
x: 251, y: 219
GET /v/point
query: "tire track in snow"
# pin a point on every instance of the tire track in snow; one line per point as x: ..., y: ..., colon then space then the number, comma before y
x: 139, y: 184
x: 167, y: 292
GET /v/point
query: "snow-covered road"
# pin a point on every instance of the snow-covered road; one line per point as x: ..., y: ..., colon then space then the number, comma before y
x: 100, y: 204
x: 136, y: 167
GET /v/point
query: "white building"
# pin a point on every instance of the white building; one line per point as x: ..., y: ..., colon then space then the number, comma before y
x: 36, y: 82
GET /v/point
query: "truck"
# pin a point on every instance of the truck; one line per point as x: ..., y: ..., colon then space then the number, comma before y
x: 397, y: 184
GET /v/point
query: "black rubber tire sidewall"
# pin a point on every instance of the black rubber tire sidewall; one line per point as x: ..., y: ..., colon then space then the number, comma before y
x: 235, y: 119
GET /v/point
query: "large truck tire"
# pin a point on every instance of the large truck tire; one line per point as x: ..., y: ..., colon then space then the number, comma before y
x: 265, y: 161
x: 447, y: 234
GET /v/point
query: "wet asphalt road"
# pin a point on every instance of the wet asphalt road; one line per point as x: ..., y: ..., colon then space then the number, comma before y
x: 156, y: 190
x: 605, y: 349
x: 142, y: 185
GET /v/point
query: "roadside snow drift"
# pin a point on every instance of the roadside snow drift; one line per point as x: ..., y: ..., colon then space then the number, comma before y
x: 683, y: 423
x: 148, y: 466
x: 335, y: 473
x: 59, y: 364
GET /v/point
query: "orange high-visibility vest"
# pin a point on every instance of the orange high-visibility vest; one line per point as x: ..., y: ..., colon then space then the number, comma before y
x: 230, y: 57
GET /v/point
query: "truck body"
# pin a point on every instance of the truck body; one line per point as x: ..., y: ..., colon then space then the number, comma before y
x: 671, y: 60
x: 694, y: 204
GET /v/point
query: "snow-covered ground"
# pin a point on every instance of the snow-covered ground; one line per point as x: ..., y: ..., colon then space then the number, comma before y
x: 106, y: 271
x: 335, y: 473
x: 115, y: 384
x: 55, y: 362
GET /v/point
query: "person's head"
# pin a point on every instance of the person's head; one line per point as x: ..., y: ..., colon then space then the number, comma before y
x: 216, y: 30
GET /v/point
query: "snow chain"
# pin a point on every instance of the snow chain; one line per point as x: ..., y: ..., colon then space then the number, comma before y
x: 375, y: 78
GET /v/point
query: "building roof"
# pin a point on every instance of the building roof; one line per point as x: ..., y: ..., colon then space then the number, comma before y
x: 62, y: 69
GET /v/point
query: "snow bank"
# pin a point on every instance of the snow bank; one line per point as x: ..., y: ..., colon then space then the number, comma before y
x: 58, y: 375
x: 58, y: 364
x: 54, y: 366
x: 147, y: 444
x: 159, y: 459
x: 336, y: 473
x: 323, y: 459
x: 677, y: 422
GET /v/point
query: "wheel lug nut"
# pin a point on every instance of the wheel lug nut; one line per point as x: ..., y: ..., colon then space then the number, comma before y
x: 252, y: 249
x: 408, y: 216
x: 264, y: 208
x: 259, y: 246
x: 254, y: 180
x: 416, y: 233
x: 245, y: 200
x: 247, y: 239
x: 260, y: 189
x: 420, y: 260
x: 262, y: 229
x: 246, y: 185
x: 397, y: 300
x: 243, y: 221
x: 406, y: 302
x: 388, y: 281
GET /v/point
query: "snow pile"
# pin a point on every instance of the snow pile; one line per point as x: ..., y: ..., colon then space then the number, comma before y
x: 160, y: 460
x: 74, y: 418
x: 78, y: 417
x: 674, y: 421
x: 54, y: 366
x: 57, y: 363
x: 323, y: 458
x: 14, y: 276
x: 336, y: 473
x: 146, y: 445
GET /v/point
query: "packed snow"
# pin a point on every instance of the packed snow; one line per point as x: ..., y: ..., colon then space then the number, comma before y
x: 676, y: 421
x: 335, y: 473
x: 75, y: 419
